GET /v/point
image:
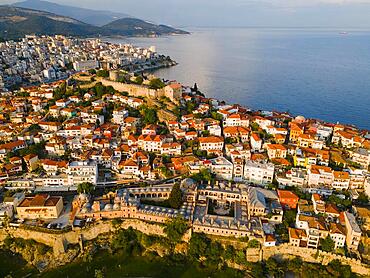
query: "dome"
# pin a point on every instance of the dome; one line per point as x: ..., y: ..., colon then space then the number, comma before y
x: 108, y: 207
x: 300, y: 119
x: 116, y: 206
x: 188, y: 183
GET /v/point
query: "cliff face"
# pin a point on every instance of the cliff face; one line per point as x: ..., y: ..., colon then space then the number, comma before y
x: 60, y: 242
x: 67, y: 247
x: 48, y: 250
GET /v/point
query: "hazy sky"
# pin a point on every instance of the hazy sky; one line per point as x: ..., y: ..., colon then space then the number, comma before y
x: 291, y: 13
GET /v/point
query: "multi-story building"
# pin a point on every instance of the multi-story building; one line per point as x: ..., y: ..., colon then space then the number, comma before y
x: 41, y: 206
x: 222, y: 167
x: 320, y: 175
x: 276, y: 151
x: 259, y: 172
x: 353, y: 231
x: 211, y: 144
x: 341, y: 180
x: 82, y: 171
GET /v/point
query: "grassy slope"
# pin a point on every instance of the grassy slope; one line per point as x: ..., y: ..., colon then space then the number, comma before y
x: 14, y: 265
x: 123, y: 266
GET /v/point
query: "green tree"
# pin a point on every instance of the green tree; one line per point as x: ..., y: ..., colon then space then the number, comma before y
x: 337, y: 269
x: 216, y: 116
x: 175, y: 229
x: 149, y: 115
x: 327, y: 244
x: 254, y: 243
x: 363, y: 199
x: 102, y: 73
x: 85, y: 187
x: 175, y: 199
x: 98, y: 273
x: 156, y: 84
x: 198, y: 245
x: 139, y: 80
x: 92, y: 71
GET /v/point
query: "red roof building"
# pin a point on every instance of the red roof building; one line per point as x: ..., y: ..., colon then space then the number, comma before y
x: 288, y: 199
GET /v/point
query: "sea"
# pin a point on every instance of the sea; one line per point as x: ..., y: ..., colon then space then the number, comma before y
x: 314, y: 72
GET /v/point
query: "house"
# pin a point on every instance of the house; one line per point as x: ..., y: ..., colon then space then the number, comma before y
x: 151, y: 143
x: 150, y: 130
x: 191, y: 135
x: 276, y: 151
x: 297, y: 237
x: 315, y: 229
x: 288, y: 199
x: 270, y: 240
x: 256, y: 142
x: 361, y: 156
x: 259, y: 172
x: 320, y: 175
x: 347, y: 139
x: 82, y: 171
x: 53, y: 167
x: 309, y: 141
x: 171, y: 148
x: 237, y: 132
x: 236, y: 120
x: 32, y: 162
x: 293, y: 177
x: 215, y: 130
x: 129, y: 168
x: 295, y: 130
x: 211, y: 144
x: 341, y: 180
x: 221, y: 167
x: 338, y: 234
x: 318, y: 203
x: 353, y: 231
x: 173, y: 91
x: 264, y: 123
x: 11, y: 147
x: 50, y: 126
x: 41, y: 206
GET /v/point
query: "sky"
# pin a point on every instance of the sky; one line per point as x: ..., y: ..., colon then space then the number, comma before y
x: 271, y: 13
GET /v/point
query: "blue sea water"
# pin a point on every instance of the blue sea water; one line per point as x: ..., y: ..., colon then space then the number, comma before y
x: 318, y: 73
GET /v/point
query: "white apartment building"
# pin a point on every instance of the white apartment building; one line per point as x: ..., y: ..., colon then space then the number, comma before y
x: 222, y: 168
x: 210, y: 144
x: 353, y: 236
x: 259, y: 172
x: 82, y: 171
x: 320, y: 175
x: 85, y: 65
x: 119, y: 116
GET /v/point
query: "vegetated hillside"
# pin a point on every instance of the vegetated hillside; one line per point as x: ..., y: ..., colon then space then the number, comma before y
x: 16, y: 22
x: 138, y: 27
x: 93, y: 17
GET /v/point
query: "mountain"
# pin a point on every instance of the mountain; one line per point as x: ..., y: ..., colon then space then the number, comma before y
x: 138, y: 27
x: 16, y: 22
x: 93, y: 17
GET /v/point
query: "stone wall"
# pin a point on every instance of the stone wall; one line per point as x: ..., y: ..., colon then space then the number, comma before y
x: 286, y: 251
x: 132, y: 89
x: 60, y: 242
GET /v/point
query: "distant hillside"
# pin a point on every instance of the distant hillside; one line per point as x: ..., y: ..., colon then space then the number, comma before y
x: 93, y: 17
x: 17, y: 22
x: 138, y: 27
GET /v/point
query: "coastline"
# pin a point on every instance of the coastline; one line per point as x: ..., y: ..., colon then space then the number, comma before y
x: 246, y: 69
